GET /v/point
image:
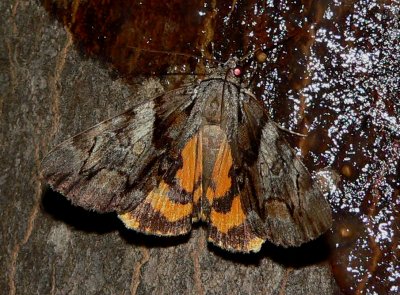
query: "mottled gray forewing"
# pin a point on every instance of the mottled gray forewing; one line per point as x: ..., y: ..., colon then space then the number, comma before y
x: 113, y: 165
x: 289, y: 203
x: 295, y: 209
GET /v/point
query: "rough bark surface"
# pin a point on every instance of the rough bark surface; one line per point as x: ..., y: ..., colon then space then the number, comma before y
x: 49, y: 92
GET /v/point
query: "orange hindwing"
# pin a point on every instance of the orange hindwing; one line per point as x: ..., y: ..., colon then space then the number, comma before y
x: 165, y: 211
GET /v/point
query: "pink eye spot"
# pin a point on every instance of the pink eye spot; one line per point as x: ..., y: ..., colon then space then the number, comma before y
x: 237, y: 72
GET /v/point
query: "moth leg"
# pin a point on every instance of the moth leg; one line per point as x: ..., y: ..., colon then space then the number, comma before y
x: 289, y: 131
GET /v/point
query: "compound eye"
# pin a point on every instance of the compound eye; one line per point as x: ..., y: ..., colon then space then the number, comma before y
x: 237, y: 71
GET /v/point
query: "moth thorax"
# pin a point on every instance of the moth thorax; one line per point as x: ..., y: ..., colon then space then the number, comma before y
x: 213, y: 110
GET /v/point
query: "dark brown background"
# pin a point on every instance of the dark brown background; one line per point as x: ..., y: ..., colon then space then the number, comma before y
x: 65, y: 66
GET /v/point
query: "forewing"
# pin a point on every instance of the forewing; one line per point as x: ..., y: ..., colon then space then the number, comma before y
x: 114, y: 165
x: 291, y: 206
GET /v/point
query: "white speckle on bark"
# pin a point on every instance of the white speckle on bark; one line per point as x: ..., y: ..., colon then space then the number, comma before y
x: 59, y: 237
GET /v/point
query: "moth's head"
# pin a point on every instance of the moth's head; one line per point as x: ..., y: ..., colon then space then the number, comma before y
x: 230, y: 70
x: 234, y: 67
x: 233, y: 70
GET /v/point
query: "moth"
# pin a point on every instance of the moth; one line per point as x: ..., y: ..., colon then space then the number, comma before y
x: 206, y: 151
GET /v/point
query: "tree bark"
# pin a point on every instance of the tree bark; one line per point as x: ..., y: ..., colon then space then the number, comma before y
x: 50, y: 92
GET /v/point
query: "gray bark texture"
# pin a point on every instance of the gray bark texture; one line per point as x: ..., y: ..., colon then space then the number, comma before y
x: 49, y: 92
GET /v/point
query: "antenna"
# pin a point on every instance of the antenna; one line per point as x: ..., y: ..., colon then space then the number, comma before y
x: 173, y: 53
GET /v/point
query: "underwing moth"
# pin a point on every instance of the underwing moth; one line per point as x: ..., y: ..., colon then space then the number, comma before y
x: 206, y: 151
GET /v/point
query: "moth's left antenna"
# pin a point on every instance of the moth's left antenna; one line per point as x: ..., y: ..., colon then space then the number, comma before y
x: 172, y: 53
x: 164, y: 52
